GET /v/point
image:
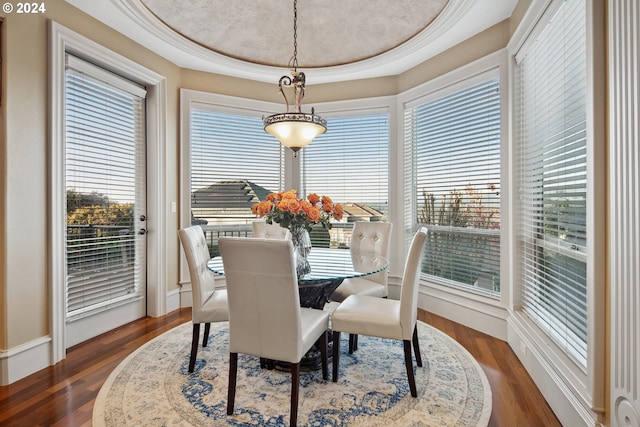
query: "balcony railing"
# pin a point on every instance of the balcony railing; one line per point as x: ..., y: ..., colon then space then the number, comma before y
x: 464, y: 256
x: 100, y: 265
x: 338, y: 236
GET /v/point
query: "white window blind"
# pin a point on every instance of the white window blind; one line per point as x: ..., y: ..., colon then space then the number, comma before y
x: 551, y: 122
x: 105, y: 176
x: 234, y: 164
x: 350, y: 164
x: 452, y: 174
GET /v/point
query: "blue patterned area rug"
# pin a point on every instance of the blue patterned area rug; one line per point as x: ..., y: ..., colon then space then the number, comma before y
x: 152, y: 387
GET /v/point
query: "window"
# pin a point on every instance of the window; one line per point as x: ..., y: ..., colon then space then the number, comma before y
x: 350, y: 164
x: 234, y: 164
x: 452, y: 173
x: 551, y: 126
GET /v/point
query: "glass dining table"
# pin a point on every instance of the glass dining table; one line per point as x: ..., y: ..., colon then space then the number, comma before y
x: 329, y: 267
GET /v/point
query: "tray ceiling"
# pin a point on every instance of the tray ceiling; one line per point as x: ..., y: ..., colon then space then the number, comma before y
x: 337, y: 39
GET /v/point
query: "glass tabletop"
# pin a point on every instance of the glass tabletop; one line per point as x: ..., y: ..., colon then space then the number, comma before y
x: 327, y: 264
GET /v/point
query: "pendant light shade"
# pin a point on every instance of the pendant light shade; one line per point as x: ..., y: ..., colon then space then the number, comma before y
x: 295, y: 130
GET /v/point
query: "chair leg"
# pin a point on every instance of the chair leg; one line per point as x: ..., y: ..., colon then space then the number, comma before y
x: 336, y: 355
x: 194, y: 346
x: 295, y: 388
x: 233, y: 372
x: 416, y: 346
x: 323, y: 355
x: 205, y: 339
x: 353, y: 343
x: 408, y: 362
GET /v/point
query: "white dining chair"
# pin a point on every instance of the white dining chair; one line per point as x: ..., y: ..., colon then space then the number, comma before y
x: 270, y: 231
x: 265, y: 317
x: 369, y: 240
x: 385, y: 318
x: 208, y: 304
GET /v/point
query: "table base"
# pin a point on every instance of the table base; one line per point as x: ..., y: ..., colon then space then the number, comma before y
x: 316, y: 294
x: 312, y: 295
x: 311, y: 361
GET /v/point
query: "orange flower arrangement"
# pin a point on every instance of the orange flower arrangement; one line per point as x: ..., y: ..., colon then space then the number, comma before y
x: 286, y: 209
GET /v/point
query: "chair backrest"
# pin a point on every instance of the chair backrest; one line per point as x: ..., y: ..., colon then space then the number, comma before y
x: 264, y: 304
x: 410, y: 279
x: 270, y: 231
x: 368, y: 241
x: 202, y: 279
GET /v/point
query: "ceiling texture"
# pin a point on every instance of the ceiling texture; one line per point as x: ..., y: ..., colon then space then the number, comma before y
x: 338, y: 40
x: 330, y: 32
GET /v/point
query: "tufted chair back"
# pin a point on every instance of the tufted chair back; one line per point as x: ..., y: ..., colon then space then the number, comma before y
x: 270, y: 231
x: 368, y: 241
x: 202, y: 279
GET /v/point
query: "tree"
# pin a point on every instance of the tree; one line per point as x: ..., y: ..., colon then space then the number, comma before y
x: 95, y: 209
x: 76, y: 200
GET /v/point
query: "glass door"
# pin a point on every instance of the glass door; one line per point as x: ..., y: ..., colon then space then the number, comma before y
x: 105, y: 159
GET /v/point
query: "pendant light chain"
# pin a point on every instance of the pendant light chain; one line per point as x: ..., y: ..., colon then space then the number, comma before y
x: 295, y: 35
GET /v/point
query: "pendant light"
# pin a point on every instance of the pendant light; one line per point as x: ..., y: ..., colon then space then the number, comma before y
x: 294, y: 129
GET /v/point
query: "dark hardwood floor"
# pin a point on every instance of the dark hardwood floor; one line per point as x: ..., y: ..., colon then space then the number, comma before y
x: 63, y: 395
x: 517, y: 402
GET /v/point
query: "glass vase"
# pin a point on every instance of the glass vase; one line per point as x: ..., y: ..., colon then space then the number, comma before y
x: 301, y: 248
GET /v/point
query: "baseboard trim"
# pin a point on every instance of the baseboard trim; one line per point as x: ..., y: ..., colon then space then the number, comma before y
x: 566, y: 399
x: 173, y: 300
x: 24, y: 360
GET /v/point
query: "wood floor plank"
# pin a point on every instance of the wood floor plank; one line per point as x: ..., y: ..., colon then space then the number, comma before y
x: 516, y: 399
x: 63, y: 395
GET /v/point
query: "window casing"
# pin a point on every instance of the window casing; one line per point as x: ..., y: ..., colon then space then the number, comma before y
x: 452, y: 178
x: 61, y: 41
